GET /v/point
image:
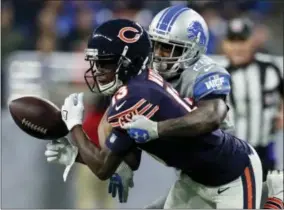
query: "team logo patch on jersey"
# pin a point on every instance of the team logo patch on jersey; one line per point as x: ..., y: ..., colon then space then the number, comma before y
x: 194, y: 29
x: 215, y: 82
x: 112, y: 138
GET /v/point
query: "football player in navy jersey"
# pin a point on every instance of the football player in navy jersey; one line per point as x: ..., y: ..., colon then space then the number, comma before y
x: 217, y: 169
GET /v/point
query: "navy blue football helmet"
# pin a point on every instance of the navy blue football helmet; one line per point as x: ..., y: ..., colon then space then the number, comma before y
x: 118, y: 50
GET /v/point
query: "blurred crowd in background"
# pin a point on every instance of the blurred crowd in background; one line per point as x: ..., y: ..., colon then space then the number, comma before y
x: 57, y: 25
x: 65, y: 25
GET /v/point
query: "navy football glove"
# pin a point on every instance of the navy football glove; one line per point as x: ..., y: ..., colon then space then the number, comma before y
x: 120, y: 182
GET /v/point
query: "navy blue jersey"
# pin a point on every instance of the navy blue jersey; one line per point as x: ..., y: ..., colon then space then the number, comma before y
x: 212, y: 159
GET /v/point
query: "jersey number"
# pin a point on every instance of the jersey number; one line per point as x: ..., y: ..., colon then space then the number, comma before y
x: 120, y: 94
x: 154, y: 77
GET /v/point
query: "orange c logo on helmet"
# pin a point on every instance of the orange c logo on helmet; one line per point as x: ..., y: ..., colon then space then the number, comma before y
x: 128, y: 40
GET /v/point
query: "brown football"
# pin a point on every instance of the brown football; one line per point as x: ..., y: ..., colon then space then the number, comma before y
x: 38, y: 117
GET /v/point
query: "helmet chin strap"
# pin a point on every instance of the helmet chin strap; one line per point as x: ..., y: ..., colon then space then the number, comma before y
x: 110, y: 88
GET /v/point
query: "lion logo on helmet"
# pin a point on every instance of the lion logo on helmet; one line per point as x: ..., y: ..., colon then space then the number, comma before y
x: 194, y: 29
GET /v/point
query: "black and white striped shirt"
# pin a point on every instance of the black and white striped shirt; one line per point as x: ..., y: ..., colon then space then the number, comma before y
x: 256, y: 93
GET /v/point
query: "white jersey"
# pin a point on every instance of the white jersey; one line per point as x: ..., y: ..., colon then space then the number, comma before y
x: 203, y: 78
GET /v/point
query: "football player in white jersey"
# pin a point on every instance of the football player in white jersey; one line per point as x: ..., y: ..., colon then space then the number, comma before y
x: 180, y: 38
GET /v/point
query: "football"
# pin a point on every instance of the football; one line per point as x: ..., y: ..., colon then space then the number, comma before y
x: 38, y: 117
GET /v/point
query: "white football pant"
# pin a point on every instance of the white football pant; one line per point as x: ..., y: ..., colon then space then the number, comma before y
x: 242, y: 193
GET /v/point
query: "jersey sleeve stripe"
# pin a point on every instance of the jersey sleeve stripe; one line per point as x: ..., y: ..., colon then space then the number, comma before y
x: 268, y: 205
x: 154, y: 77
x: 134, y: 107
x: 142, y: 107
x: 189, y: 101
x: 145, y: 109
x: 149, y: 115
x: 275, y: 201
x: 152, y: 112
x: 179, y: 100
x: 115, y: 124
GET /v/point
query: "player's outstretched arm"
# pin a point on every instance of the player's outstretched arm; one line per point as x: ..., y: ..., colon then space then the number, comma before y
x: 206, y: 118
x: 102, y: 163
x: 132, y: 158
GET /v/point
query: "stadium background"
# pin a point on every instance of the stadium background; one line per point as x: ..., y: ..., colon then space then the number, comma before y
x: 41, y: 50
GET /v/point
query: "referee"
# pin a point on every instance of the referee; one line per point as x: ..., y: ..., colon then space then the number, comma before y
x: 257, y: 91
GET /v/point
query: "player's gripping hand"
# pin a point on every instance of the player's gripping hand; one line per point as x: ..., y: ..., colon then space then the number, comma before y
x: 142, y: 129
x: 72, y: 110
x: 120, y: 182
x: 61, y: 152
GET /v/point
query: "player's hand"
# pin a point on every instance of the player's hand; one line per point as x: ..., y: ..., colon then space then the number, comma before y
x: 142, y: 129
x: 120, y: 182
x: 274, y: 180
x: 61, y: 152
x: 72, y: 110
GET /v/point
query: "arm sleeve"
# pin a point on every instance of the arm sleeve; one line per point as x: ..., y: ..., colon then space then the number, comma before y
x: 210, y: 85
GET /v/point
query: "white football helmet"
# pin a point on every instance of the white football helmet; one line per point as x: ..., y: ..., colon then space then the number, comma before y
x: 185, y: 31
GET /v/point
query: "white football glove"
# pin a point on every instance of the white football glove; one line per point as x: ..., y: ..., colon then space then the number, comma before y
x: 275, y: 184
x: 142, y: 129
x: 61, y: 152
x: 72, y: 110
